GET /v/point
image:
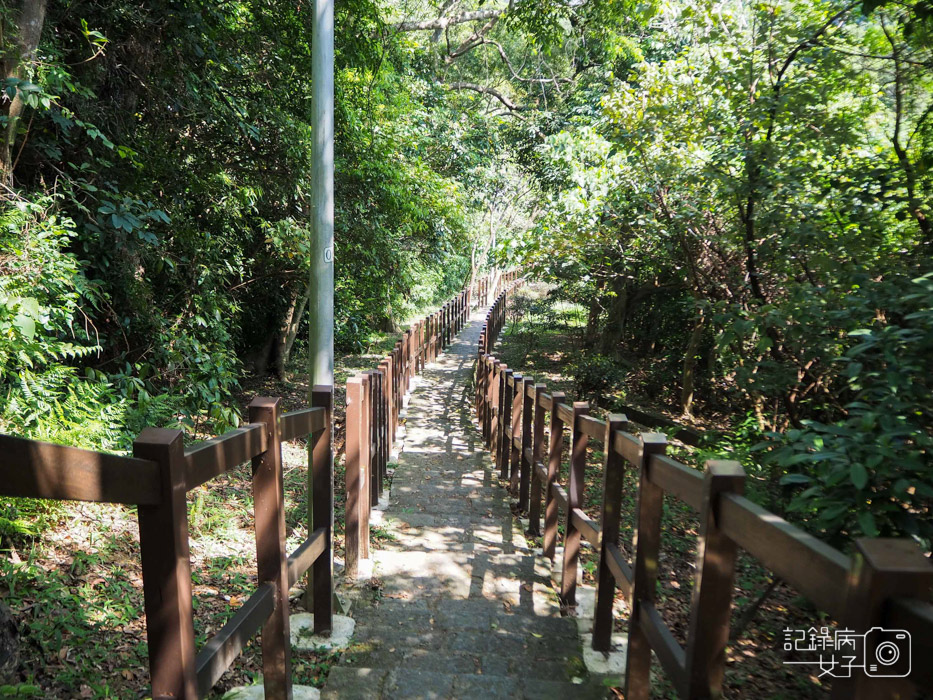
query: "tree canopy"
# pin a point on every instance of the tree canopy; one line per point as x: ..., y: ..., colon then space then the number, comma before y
x: 739, y: 193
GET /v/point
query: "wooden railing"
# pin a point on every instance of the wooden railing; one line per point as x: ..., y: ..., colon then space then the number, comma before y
x: 156, y: 479
x: 885, y: 583
x: 490, y: 285
x: 375, y: 400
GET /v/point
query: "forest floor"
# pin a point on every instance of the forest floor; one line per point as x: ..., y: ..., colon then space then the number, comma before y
x: 75, y: 589
x: 542, y: 341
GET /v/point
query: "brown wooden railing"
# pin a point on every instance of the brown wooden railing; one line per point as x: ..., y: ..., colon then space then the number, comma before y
x: 885, y: 583
x: 375, y: 400
x: 156, y: 479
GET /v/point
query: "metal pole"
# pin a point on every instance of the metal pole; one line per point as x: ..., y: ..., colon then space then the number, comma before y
x: 321, y: 320
x: 321, y: 341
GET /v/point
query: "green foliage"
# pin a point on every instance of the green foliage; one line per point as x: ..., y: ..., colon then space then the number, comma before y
x: 748, y: 180
x: 596, y: 376
x: 870, y: 473
x: 43, y: 289
x: 158, y: 230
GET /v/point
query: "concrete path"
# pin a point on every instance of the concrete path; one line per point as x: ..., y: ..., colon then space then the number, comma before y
x: 461, y: 607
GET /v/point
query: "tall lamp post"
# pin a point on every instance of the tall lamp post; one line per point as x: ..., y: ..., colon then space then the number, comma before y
x: 321, y: 319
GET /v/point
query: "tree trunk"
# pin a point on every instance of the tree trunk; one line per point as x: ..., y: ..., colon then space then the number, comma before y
x: 690, y: 363
x: 615, y: 323
x: 29, y: 23
x: 914, y: 203
x: 296, y: 322
x: 289, y: 330
x: 592, y: 318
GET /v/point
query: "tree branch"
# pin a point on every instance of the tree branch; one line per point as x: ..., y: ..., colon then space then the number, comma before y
x: 444, y: 22
x: 813, y: 40
x: 478, y: 40
x: 487, y: 91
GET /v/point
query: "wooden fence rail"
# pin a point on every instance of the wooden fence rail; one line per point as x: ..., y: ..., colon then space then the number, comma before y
x: 375, y: 399
x: 156, y: 479
x: 885, y: 583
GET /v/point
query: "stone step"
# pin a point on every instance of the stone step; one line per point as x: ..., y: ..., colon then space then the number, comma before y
x: 402, y: 683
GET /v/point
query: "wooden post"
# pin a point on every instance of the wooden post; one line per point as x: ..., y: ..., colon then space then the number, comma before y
x: 610, y: 519
x: 537, y: 449
x: 478, y: 378
x: 354, y: 474
x: 380, y: 425
x: 424, y: 342
x: 269, y: 509
x: 366, y: 462
x: 505, y: 423
x: 384, y: 389
x: 441, y: 319
x: 443, y: 343
x: 321, y: 512
x: 645, y: 572
x: 488, y: 388
x: 377, y: 431
x: 578, y: 444
x: 372, y: 417
x: 393, y: 406
x: 711, y: 603
x: 451, y: 321
x: 514, y: 454
x: 555, y: 448
x: 422, y: 351
x: 390, y: 403
x: 399, y: 390
x: 494, y: 387
x: 882, y: 568
x: 527, y: 411
x: 432, y: 337
x: 166, y: 566
x: 403, y: 369
x: 403, y: 378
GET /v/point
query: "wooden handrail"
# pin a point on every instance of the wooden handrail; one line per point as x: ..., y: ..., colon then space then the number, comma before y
x: 211, y: 458
x: 223, y: 648
x: 33, y: 469
x: 810, y: 565
x: 302, y: 423
x: 858, y: 591
x: 156, y: 479
x: 677, y: 479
